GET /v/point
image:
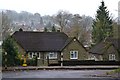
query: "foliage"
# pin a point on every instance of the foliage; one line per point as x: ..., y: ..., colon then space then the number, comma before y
x: 45, y: 29
x: 11, y: 58
x: 53, y: 29
x: 31, y: 62
x: 102, y: 25
x: 5, y: 25
x: 62, y: 19
x: 114, y: 71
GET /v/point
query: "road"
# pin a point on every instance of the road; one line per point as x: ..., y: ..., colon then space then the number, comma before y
x: 56, y: 74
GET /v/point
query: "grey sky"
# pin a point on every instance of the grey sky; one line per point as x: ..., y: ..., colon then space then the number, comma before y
x: 50, y: 7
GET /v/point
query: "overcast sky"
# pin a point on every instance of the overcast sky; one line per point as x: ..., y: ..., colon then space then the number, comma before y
x: 50, y: 7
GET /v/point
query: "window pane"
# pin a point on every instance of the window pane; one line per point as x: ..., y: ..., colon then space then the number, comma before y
x: 52, y: 55
x: 38, y: 55
x: 30, y: 55
x: 73, y: 54
x: 111, y: 56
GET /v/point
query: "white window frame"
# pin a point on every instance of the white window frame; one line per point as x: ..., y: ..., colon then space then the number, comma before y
x: 38, y: 54
x: 32, y: 55
x: 55, y: 55
x: 112, y: 57
x: 73, y: 52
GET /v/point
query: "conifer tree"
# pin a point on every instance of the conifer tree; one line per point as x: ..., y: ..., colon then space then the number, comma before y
x: 11, y: 58
x: 45, y: 29
x: 53, y: 29
x: 102, y: 25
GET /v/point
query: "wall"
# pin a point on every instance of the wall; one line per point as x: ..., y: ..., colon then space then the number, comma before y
x: 111, y: 50
x: 43, y: 61
x: 75, y: 45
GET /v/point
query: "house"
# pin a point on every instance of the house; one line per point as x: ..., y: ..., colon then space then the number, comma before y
x: 106, y: 50
x: 49, y: 47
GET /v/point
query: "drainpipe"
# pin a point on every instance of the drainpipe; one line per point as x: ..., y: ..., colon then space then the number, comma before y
x: 61, y: 59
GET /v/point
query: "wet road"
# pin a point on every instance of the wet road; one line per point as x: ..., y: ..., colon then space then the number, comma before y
x: 85, y: 74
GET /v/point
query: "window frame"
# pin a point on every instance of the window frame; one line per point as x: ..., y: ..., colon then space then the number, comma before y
x: 32, y: 55
x: 112, y: 57
x: 38, y: 53
x: 54, y: 53
x: 73, y: 52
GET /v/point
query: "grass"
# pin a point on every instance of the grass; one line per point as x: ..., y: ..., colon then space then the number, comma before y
x: 114, y: 71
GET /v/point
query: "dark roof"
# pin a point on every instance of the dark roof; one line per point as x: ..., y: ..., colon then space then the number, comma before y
x: 115, y: 42
x: 69, y: 40
x: 98, y: 49
x: 40, y: 41
x: 101, y: 47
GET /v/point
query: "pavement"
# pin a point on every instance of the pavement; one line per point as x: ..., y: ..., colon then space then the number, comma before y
x: 59, y: 68
x: 56, y: 74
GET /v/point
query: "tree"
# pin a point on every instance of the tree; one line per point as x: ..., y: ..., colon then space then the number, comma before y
x: 62, y: 19
x: 5, y: 25
x: 102, y: 25
x: 9, y: 47
x: 45, y: 29
x: 53, y: 29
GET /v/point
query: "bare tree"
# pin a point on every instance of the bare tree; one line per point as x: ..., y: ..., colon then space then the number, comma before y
x: 62, y: 18
x: 5, y: 26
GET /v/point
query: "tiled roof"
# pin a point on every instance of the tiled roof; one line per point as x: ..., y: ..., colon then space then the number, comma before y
x: 101, y: 47
x: 40, y: 41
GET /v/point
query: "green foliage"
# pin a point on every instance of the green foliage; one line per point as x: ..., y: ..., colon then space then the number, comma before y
x: 45, y: 29
x: 114, y: 71
x: 53, y: 29
x: 102, y: 25
x: 11, y: 58
x: 31, y: 62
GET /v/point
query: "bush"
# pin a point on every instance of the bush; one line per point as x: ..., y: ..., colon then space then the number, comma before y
x: 31, y: 62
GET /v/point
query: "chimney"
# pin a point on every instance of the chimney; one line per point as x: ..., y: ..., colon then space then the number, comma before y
x: 20, y: 29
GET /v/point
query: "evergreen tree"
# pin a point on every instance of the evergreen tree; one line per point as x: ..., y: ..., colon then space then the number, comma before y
x: 53, y: 29
x: 45, y: 29
x: 9, y: 47
x: 102, y: 25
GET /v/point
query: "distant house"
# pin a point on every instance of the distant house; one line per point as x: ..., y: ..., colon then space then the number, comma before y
x: 49, y: 46
x: 106, y: 50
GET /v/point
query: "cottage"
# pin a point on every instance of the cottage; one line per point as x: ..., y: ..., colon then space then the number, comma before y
x: 106, y: 50
x: 49, y: 47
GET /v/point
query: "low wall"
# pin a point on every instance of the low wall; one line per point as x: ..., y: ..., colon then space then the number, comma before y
x: 88, y: 62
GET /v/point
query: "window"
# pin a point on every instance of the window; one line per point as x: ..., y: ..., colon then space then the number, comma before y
x: 73, y: 54
x: 52, y: 55
x: 111, y: 56
x: 32, y: 54
x: 38, y: 55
